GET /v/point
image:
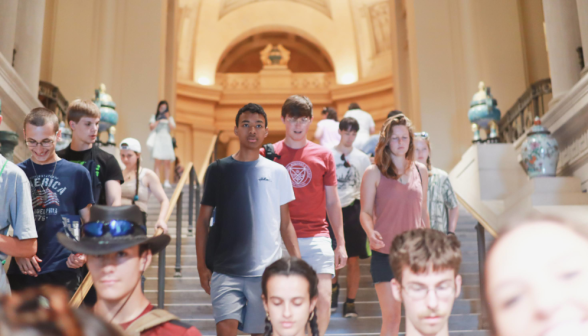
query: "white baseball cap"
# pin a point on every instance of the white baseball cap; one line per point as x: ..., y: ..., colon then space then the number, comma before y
x: 132, y: 144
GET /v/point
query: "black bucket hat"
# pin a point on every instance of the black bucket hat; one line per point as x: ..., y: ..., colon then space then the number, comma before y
x: 107, y: 243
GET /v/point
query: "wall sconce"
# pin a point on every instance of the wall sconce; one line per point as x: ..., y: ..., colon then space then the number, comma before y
x: 348, y: 78
x: 204, y: 81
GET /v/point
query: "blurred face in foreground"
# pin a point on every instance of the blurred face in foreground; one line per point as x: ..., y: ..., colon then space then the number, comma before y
x: 428, y: 299
x: 115, y: 275
x: 288, y: 304
x: 537, y: 282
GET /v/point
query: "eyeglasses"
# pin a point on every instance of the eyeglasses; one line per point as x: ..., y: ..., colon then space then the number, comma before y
x: 423, y: 135
x: 300, y: 121
x: 116, y: 228
x: 345, y: 163
x: 418, y: 292
x: 47, y: 143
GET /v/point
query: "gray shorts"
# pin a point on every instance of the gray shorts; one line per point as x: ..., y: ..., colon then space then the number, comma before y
x: 238, y: 298
x: 318, y: 253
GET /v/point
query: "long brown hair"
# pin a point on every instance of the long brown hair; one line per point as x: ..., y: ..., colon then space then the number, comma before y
x: 383, y: 155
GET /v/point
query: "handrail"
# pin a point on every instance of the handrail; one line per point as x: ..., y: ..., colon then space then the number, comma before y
x: 211, y: 150
x: 87, y: 283
x: 477, y: 216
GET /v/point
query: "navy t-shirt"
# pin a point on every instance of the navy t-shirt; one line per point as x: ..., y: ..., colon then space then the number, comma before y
x: 64, y: 192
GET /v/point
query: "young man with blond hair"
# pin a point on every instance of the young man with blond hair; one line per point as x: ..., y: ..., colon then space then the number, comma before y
x: 61, y: 197
x: 425, y: 263
x: 84, y: 118
x: 313, y: 173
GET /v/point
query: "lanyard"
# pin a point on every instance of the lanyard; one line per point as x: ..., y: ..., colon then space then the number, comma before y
x: 3, y: 166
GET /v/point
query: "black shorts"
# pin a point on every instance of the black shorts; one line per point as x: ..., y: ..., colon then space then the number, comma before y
x: 356, y: 242
x: 70, y: 280
x: 380, y: 267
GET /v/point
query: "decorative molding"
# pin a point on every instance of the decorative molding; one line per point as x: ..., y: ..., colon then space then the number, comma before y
x: 252, y: 82
x: 231, y: 5
x: 379, y: 16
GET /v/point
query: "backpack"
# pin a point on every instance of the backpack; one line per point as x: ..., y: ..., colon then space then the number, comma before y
x: 270, y: 152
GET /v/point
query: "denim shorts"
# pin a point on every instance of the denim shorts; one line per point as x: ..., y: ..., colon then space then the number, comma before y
x: 380, y: 267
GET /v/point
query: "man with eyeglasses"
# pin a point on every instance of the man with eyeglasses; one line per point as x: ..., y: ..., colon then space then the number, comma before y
x: 16, y: 210
x: 312, y: 171
x: 350, y: 163
x: 425, y: 263
x: 61, y: 196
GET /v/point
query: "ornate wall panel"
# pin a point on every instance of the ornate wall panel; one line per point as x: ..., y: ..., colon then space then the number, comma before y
x: 231, y: 5
x: 379, y: 14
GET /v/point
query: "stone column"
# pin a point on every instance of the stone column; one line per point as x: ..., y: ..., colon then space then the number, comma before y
x: 583, y: 19
x: 8, y: 10
x: 563, y: 38
x: 29, y: 42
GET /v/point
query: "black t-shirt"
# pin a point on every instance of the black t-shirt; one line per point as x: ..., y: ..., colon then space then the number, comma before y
x: 102, y: 166
x: 245, y: 237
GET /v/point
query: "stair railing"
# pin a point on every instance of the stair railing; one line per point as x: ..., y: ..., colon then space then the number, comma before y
x: 519, y: 118
x: 175, y: 201
x: 481, y: 229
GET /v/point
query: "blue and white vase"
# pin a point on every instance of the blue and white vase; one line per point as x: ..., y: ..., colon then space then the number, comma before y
x: 540, y: 152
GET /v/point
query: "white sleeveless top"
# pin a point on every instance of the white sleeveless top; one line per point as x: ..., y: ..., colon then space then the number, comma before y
x: 128, y: 192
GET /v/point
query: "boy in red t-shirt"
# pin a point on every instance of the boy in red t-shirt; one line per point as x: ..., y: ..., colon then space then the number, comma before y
x: 312, y: 170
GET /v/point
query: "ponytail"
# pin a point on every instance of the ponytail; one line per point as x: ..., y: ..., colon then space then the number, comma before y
x: 136, y: 197
x: 314, y: 329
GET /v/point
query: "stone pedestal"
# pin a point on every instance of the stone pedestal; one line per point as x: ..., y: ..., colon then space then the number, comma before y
x: 8, y: 140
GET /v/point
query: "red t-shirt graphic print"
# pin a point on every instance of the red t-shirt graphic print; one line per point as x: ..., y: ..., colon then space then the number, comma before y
x: 311, y: 168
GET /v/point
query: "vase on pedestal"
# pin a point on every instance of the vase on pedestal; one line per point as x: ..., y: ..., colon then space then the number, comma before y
x: 540, y: 152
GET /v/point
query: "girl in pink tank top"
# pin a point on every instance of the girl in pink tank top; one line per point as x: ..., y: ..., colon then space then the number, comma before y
x: 393, y: 200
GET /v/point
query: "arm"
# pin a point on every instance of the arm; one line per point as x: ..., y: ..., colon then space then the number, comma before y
x: 153, y: 123
x: 172, y: 123
x: 336, y: 219
x: 157, y: 190
x: 17, y: 248
x: 424, y: 203
x: 202, y: 225
x: 451, y: 204
x: 287, y: 231
x: 113, y: 193
x: 77, y: 260
x: 369, y: 183
x: 453, y: 215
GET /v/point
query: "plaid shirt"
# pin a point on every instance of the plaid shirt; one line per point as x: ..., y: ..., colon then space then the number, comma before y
x: 441, y: 198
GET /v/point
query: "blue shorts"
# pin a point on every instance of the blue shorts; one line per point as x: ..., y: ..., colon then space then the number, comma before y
x: 238, y: 298
x: 380, y: 267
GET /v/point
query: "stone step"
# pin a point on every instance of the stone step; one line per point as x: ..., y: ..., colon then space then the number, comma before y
x: 364, y: 308
x: 358, y: 326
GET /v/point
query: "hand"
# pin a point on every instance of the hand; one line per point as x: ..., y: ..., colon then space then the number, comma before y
x: 161, y: 224
x: 76, y: 260
x: 205, y: 276
x: 376, y: 240
x: 340, y: 256
x: 29, y: 266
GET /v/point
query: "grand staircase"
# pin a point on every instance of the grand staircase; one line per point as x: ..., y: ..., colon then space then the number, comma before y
x: 185, y: 298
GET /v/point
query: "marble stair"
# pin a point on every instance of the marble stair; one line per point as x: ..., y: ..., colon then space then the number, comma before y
x: 185, y: 298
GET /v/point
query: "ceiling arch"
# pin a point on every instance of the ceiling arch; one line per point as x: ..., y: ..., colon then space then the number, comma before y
x: 305, y: 56
x: 215, y: 37
x: 231, y: 5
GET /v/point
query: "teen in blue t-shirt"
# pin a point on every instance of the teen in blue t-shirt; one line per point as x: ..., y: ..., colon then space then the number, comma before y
x: 61, y: 195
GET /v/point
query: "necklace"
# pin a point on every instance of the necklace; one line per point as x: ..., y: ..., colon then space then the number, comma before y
x: 52, y: 174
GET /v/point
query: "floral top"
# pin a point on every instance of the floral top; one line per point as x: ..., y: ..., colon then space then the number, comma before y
x: 441, y: 198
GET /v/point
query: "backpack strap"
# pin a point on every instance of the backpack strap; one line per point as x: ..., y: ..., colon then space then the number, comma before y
x: 150, y: 320
x: 270, y: 152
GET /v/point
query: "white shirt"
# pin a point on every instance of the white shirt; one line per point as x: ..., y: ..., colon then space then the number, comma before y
x: 330, y: 129
x: 366, y: 122
x: 349, y: 178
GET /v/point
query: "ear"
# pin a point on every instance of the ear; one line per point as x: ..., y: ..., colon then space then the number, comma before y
x: 72, y: 124
x: 339, y: 132
x: 263, y: 299
x: 313, y: 303
x: 58, y: 135
x: 458, y: 282
x: 146, y: 260
x: 266, y: 132
x: 396, y: 289
x: 235, y: 130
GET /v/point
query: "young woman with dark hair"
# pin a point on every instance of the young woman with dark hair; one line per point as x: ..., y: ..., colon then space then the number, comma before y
x: 160, y: 141
x: 290, y: 294
x: 393, y: 201
x: 327, y: 130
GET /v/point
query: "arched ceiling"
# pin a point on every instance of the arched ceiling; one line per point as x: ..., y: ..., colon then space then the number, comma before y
x: 305, y: 56
x: 228, y: 6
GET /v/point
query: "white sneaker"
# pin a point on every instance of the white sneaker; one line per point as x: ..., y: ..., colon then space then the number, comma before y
x: 166, y: 184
